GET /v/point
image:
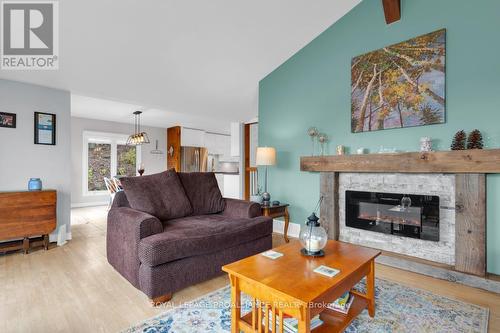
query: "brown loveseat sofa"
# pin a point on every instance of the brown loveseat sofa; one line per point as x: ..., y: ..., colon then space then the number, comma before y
x: 171, y: 230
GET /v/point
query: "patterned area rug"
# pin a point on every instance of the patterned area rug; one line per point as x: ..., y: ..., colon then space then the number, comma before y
x: 399, y: 309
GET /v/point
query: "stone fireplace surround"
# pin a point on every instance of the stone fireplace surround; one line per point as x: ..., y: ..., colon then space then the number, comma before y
x: 468, y: 168
x: 442, y: 185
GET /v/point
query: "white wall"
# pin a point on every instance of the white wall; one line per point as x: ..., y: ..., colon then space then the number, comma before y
x: 20, y: 158
x: 152, y: 163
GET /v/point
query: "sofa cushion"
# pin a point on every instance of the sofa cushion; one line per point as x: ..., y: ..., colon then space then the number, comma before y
x: 203, y: 192
x: 160, y: 195
x: 203, y: 234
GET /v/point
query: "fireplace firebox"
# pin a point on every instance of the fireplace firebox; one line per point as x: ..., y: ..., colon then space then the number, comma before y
x: 408, y: 215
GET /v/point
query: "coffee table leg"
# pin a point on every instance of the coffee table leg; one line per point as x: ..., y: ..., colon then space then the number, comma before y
x: 287, y: 221
x: 370, y: 289
x: 235, y: 305
x: 305, y: 321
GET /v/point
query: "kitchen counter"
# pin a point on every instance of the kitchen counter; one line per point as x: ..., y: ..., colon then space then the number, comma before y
x: 226, y: 173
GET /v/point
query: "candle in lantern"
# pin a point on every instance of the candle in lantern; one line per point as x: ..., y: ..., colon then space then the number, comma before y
x: 313, y: 245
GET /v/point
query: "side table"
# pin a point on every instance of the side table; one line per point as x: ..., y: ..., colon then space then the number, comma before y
x: 280, y: 210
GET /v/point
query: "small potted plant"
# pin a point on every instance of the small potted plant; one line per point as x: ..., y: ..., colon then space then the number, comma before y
x: 257, y: 197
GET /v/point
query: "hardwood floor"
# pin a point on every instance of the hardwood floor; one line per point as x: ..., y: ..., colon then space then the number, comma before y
x: 73, y: 288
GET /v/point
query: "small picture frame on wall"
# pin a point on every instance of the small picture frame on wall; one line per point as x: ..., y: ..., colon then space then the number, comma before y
x: 7, y: 120
x: 45, y: 128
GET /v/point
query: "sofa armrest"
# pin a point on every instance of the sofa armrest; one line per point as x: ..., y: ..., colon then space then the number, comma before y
x: 126, y: 227
x: 241, y: 209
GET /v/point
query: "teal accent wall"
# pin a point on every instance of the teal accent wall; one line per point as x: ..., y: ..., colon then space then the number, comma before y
x: 312, y: 88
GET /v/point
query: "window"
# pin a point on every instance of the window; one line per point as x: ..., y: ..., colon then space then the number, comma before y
x: 106, y: 155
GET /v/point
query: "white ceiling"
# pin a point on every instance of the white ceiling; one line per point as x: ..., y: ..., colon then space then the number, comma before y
x: 199, y: 59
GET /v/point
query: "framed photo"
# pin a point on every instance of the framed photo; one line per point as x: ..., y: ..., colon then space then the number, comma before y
x: 7, y: 120
x: 45, y: 128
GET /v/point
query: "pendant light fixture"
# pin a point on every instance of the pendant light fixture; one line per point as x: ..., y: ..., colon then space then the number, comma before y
x: 138, y: 138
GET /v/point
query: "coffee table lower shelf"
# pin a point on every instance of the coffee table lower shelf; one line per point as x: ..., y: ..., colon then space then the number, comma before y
x: 333, y: 321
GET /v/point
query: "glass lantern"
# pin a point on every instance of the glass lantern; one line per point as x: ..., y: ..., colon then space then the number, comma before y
x: 313, y: 237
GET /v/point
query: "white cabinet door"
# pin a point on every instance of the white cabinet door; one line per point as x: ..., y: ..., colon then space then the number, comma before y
x: 220, y: 182
x: 235, y: 139
x: 192, y: 137
x: 211, y: 143
x: 232, y: 186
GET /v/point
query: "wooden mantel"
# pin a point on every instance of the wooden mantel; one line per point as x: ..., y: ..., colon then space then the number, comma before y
x: 469, y: 166
x: 456, y: 161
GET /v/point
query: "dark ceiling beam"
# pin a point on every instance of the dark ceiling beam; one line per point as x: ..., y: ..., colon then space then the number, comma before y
x: 392, y: 10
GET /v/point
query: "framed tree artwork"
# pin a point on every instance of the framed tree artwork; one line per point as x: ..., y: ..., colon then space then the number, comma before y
x: 45, y: 128
x: 401, y: 85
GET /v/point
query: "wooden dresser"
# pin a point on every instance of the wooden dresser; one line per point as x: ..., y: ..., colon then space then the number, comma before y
x: 30, y: 216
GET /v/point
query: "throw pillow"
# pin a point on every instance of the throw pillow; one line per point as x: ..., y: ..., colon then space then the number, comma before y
x: 203, y: 192
x: 160, y: 195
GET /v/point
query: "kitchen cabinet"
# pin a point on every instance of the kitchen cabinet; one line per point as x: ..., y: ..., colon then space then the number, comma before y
x: 191, y: 137
x: 231, y: 186
x: 220, y: 182
x: 235, y: 139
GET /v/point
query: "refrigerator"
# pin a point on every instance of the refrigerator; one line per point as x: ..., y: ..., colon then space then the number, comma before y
x: 194, y: 159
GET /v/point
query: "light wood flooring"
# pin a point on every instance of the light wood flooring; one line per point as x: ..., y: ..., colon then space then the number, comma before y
x: 73, y: 288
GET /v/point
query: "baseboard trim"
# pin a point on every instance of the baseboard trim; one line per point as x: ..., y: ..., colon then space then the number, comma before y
x: 293, y: 228
x: 440, y: 273
x: 53, y: 237
x: 89, y: 204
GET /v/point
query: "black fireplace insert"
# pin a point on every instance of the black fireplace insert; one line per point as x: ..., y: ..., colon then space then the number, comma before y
x: 408, y: 215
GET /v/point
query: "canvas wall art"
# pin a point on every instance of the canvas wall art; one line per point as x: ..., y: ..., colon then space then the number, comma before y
x: 401, y: 85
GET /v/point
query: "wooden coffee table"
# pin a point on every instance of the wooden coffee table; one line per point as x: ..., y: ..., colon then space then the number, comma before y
x: 289, y: 285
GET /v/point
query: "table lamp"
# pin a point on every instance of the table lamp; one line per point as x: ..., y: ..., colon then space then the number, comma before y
x: 266, y: 156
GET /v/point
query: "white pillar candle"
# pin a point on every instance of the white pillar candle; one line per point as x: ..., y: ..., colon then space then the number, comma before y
x: 313, y: 245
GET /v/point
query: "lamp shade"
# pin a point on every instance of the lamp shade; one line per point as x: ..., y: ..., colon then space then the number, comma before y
x: 265, y: 156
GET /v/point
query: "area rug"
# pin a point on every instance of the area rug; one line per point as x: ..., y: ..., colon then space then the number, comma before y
x: 399, y: 309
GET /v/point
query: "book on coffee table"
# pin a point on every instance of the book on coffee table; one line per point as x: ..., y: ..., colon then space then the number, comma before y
x: 326, y: 271
x: 272, y: 254
x: 342, y: 304
x: 290, y: 324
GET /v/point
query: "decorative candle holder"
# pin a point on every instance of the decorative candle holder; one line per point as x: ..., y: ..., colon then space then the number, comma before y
x: 313, y: 133
x: 322, y: 139
x: 313, y: 237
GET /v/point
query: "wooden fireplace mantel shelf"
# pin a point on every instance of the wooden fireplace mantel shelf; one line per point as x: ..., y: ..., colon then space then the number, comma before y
x: 455, y: 161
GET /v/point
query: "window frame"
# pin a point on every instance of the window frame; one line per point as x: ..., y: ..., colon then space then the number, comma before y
x: 114, y: 139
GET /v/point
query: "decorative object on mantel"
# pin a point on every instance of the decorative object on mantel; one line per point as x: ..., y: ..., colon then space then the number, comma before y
x: 313, y: 133
x: 312, y: 235
x: 340, y: 150
x: 322, y: 139
x: 475, y: 140
x: 156, y: 151
x: 45, y: 129
x: 35, y: 184
x: 265, y: 156
x: 138, y: 137
x: 7, y: 120
x: 458, y: 142
x: 385, y: 150
x: 401, y: 85
x: 425, y: 144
